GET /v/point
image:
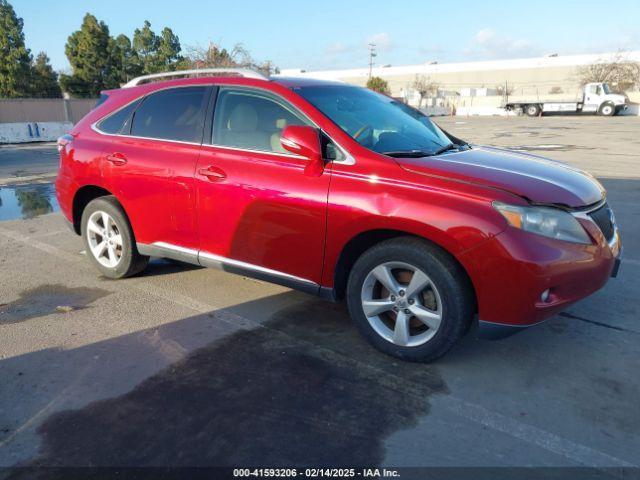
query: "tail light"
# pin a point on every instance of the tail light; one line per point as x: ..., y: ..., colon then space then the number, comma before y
x: 63, y: 141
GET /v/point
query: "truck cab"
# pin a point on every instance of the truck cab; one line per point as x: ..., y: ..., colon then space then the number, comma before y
x: 597, y: 97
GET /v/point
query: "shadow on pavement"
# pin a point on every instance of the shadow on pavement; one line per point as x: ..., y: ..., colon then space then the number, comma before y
x: 298, y: 390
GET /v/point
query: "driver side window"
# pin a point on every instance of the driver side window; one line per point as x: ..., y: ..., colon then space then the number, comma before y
x: 252, y: 120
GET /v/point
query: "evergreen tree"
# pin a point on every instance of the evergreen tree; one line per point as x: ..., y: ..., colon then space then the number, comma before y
x: 145, y: 44
x: 168, y: 55
x: 126, y: 58
x: 44, y: 81
x: 156, y: 53
x: 92, y: 54
x: 378, y: 84
x: 15, y: 57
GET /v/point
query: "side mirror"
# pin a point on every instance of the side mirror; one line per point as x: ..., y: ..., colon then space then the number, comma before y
x: 304, y: 141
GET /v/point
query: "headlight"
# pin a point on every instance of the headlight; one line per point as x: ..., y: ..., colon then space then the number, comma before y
x: 545, y: 221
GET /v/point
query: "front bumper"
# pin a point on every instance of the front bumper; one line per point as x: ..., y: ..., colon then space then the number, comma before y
x: 511, y: 271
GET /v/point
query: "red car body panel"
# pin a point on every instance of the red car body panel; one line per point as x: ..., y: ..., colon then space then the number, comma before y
x: 263, y: 209
x: 156, y: 187
x: 538, y: 179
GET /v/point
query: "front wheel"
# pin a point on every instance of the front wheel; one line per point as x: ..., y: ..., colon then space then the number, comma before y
x: 109, y: 239
x: 607, y: 110
x: 410, y: 299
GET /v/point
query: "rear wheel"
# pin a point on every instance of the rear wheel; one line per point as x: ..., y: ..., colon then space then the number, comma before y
x: 109, y: 240
x: 410, y: 299
x: 607, y: 109
x: 532, y: 110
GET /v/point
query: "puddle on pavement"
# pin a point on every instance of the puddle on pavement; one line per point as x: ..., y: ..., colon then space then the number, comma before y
x: 46, y: 300
x: 306, y: 390
x: 27, y: 201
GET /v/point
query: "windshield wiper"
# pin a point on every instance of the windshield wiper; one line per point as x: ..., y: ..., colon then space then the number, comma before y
x: 446, y: 148
x: 408, y: 153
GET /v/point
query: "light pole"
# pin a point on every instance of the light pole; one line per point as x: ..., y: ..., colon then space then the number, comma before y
x: 372, y: 55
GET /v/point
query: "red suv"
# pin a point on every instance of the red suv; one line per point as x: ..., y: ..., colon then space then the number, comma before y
x: 340, y: 192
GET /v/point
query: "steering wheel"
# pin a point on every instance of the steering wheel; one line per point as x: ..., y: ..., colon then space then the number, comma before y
x: 363, y: 129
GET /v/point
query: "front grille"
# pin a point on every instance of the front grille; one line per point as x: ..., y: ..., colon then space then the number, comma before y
x: 604, y: 219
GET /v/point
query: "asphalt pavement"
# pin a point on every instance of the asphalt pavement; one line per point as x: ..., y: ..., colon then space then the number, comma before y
x: 188, y: 366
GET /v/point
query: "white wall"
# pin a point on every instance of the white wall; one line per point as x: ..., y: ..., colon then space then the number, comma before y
x: 33, y: 132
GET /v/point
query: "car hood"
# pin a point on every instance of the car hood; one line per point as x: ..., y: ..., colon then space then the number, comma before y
x: 537, y: 179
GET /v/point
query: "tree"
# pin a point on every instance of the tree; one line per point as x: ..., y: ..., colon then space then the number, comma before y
x: 93, y: 57
x: 15, y: 57
x: 157, y: 53
x: 145, y: 45
x: 505, y: 89
x: 44, y: 81
x: 168, y: 54
x: 126, y: 59
x: 425, y: 87
x: 215, y: 56
x: 378, y: 84
x: 618, y: 72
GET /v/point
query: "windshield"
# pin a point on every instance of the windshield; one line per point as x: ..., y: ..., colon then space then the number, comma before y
x: 376, y: 121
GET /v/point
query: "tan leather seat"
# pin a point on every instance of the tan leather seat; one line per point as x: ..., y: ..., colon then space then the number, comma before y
x: 242, y: 129
x: 276, y: 146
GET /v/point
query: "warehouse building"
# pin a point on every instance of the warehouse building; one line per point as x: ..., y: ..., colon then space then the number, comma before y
x: 481, y: 86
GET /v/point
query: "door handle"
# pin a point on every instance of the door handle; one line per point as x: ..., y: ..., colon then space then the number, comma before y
x: 117, y: 158
x: 214, y: 174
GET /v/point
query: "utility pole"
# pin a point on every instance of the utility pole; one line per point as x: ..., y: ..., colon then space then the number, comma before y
x: 372, y: 55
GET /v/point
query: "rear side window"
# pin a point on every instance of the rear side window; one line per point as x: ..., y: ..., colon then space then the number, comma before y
x: 174, y: 114
x: 118, y: 123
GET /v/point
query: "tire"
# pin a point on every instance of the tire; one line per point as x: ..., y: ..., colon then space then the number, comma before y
x: 532, y: 110
x: 448, y: 294
x: 607, y: 110
x: 114, y: 254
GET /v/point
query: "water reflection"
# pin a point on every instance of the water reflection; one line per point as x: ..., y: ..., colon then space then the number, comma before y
x: 27, y: 201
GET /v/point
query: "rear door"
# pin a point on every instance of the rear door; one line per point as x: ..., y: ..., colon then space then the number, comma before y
x: 257, y: 210
x: 151, y: 162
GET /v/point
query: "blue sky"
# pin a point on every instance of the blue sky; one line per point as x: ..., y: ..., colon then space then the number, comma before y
x: 326, y: 34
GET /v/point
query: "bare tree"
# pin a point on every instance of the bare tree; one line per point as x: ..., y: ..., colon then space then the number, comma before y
x: 505, y: 89
x: 425, y: 87
x: 619, y: 72
x: 215, y: 56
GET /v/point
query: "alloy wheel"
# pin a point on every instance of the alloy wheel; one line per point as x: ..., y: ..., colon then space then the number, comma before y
x: 402, y: 304
x: 105, y: 239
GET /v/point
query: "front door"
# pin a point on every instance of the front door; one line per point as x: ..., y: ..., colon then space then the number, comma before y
x: 257, y: 210
x: 593, y: 97
x: 150, y: 165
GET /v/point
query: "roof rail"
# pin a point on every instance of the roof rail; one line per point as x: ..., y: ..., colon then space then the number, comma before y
x: 240, y: 72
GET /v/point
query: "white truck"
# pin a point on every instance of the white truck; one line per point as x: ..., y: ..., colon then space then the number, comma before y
x: 594, y: 98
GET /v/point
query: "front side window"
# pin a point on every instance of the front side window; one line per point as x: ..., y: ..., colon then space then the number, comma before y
x: 252, y: 120
x: 173, y: 114
x: 376, y: 121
